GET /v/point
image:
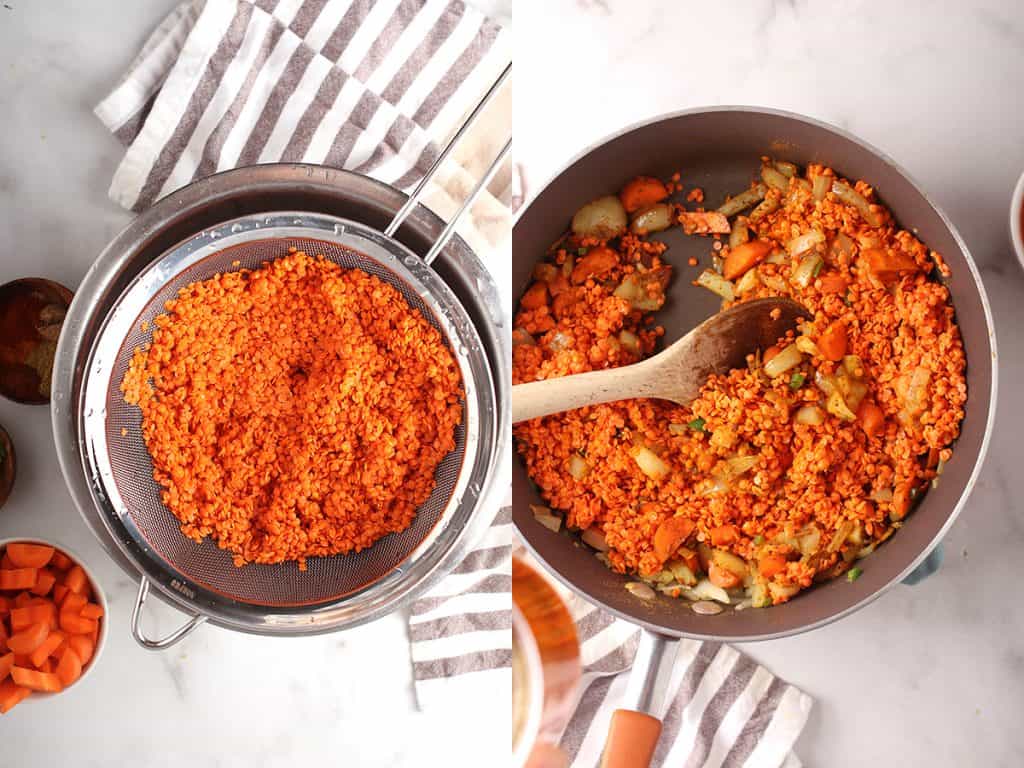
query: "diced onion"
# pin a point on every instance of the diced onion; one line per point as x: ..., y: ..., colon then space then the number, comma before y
x: 741, y: 464
x: 748, y: 282
x: 717, y: 284
x: 809, y: 539
x: 740, y: 232
x: 824, y: 382
x: 804, y: 242
x: 767, y: 206
x: 641, y: 590
x: 594, y: 537
x: 651, y: 464
x: 849, y: 195
x: 743, y: 200
x: 705, y: 590
x: 819, y: 187
x: 578, y: 467
x: 774, y: 179
x: 654, y: 218
x: 785, y: 168
x: 777, y: 257
x: 810, y: 414
x: 730, y: 562
x: 837, y: 406
x: 804, y: 272
x: 682, y: 573
x: 678, y: 429
x: 807, y: 346
x: 603, y: 218
x: 545, y: 517
x: 788, y: 358
x: 630, y: 341
x: 882, y: 495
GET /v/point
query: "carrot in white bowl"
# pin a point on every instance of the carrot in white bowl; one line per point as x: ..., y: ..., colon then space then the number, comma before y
x: 49, y: 621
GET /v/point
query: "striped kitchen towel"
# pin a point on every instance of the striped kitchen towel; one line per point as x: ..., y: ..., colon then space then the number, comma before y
x: 369, y: 85
x: 461, y: 631
x: 722, y: 709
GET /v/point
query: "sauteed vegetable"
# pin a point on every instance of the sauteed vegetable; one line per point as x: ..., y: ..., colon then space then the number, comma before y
x: 779, y: 474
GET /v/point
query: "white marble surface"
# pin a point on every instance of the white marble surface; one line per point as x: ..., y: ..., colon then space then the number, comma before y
x: 220, y: 698
x: 926, y: 676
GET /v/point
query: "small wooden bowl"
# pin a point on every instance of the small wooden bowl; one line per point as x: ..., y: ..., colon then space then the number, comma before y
x: 32, y: 311
x: 8, y: 466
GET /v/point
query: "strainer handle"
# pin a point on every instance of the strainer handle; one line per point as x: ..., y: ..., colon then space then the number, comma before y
x: 453, y: 142
x: 166, y: 642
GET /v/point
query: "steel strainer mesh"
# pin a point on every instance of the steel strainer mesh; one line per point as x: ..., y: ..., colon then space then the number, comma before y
x: 126, y: 470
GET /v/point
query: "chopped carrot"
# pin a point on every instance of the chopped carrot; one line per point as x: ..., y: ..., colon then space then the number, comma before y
x: 3, y: 637
x: 22, y: 618
x: 27, y: 640
x: 18, y: 578
x: 76, y: 625
x: 83, y: 647
x: 722, y: 577
x: 46, y: 666
x: 44, y: 682
x: 59, y: 593
x: 724, y: 535
x: 91, y: 611
x: 44, y: 582
x: 833, y: 341
x: 745, y: 257
x: 769, y: 565
x: 887, y: 264
x: 6, y: 664
x: 69, y: 669
x: 641, y: 192
x: 769, y: 353
x: 6, y: 563
x: 49, y: 645
x: 871, y: 417
x: 5, y: 606
x: 599, y: 260
x: 29, y: 555
x: 61, y: 561
x: 11, y: 695
x: 21, y: 600
x: 535, y: 297
x: 76, y: 580
x: 832, y: 283
x: 901, y: 500
x: 670, y: 536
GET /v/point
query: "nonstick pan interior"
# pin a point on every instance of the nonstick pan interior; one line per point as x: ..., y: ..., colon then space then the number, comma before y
x: 719, y: 150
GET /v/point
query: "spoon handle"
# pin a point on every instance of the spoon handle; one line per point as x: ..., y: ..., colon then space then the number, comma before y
x: 542, y: 398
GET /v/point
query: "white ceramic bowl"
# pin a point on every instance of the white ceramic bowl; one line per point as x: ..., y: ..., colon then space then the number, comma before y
x: 98, y: 597
x: 1016, y: 233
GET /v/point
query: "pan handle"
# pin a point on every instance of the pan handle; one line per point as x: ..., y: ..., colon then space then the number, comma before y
x: 162, y: 644
x: 634, y: 731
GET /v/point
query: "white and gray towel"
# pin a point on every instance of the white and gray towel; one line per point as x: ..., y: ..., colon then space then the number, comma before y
x: 368, y: 85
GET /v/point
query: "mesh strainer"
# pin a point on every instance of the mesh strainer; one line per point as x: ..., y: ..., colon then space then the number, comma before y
x: 334, y: 592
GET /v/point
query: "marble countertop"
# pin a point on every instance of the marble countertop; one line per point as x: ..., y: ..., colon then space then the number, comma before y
x: 926, y: 676
x: 220, y: 699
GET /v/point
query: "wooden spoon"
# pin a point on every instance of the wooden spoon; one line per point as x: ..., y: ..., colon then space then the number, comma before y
x: 32, y: 311
x: 719, y: 344
x: 7, y: 465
